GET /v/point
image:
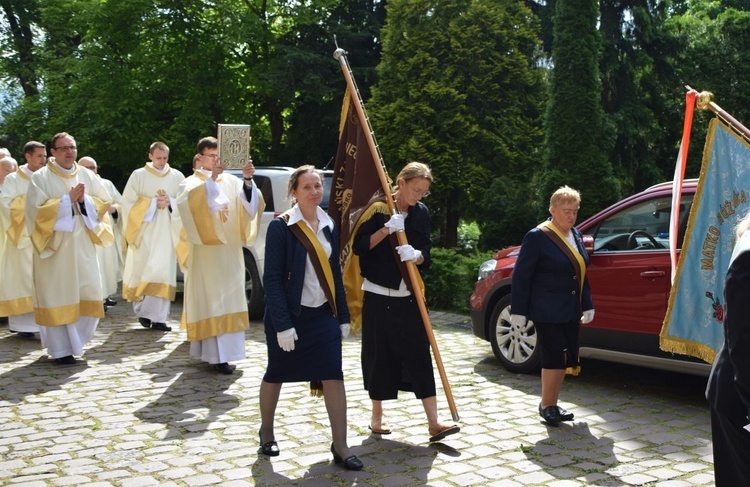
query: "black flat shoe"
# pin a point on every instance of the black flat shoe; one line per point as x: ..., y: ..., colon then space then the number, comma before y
x: 565, y: 415
x: 67, y: 360
x: 224, y: 368
x: 160, y: 326
x: 350, y: 463
x: 145, y: 322
x: 550, y: 414
x: 110, y: 302
x: 26, y: 334
x: 269, y: 448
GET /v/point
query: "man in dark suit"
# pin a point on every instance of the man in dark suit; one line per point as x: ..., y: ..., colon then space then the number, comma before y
x: 728, y: 389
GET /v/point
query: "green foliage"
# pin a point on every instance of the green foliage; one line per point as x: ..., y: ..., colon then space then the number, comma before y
x: 460, y: 89
x: 468, y: 237
x: 509, y: 212
x: 577, y: 133
x: 119, y: 74
x: 450, y: 280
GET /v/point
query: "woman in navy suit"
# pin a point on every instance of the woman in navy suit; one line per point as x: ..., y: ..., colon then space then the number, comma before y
x: 550, y: 288
x: 728, y: 390
x: 306, y: 313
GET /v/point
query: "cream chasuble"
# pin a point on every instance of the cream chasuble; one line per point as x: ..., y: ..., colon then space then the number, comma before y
x: 150, y: 263
x: 16, y: 284
x: 67, y: 284
x: 215, y: 302
x: 111, y: 259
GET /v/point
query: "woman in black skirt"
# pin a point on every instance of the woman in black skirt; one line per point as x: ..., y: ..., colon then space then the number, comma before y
x: 306, y: 313
x: 395, y: 347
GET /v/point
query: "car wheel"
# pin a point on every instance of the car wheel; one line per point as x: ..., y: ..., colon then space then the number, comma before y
x: 253, y: 289
x: 514, y: 347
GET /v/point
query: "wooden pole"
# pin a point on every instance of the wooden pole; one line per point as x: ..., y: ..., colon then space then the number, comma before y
x: 340, y: 55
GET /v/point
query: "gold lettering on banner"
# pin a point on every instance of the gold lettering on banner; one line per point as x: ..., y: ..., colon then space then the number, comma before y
x: 709, y: 248
x: 713, y: 234
x: 728, y: 208
x: 351, y: 150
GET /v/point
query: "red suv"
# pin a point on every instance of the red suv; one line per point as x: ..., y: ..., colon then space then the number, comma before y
x: 629, y: 274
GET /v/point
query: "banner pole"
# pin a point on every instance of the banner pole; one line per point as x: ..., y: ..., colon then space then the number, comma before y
x: 340, y: 55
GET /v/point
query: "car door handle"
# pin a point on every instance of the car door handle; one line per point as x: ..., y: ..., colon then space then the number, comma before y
x: 653, y: 274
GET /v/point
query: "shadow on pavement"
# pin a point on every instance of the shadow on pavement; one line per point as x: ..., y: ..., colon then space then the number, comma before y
x: 193, y: 388
x: 126, y: 344
x: 14, y: 346
x: 572, y: 443
x: 35, y: 378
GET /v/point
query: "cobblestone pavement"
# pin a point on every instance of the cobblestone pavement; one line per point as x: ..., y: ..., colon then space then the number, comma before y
x: 139, y: 412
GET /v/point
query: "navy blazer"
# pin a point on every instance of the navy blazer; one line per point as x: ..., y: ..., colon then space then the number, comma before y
x: 545, y: 286
x: 729, y: 384
x: 284, y: 275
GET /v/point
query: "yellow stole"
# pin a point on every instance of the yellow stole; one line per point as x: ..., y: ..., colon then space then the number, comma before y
x: 570, y: 252
x: 318, y: 258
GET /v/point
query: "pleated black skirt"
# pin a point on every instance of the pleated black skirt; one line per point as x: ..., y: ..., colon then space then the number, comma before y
x: 395, y: 349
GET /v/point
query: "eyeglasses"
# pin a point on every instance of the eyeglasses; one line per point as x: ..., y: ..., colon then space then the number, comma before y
x: 418, y: 193
x: 212, y: 156
x: 71, y: 148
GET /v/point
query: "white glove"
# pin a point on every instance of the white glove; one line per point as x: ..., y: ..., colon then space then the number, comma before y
x: 517, y: 320
x: 286, y: 339
x: 407, y: 252
x: 588, y: 316
x: 345, y: 329
x: 395, y: 224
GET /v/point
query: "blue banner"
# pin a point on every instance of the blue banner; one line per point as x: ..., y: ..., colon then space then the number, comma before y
x: 695, y: 315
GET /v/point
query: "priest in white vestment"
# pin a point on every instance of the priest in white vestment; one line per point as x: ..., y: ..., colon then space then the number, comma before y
x: 65, y: 206
x: 16, y: 285
x: 220, y: 214
x: 150, y: 275
x: 110, y: 258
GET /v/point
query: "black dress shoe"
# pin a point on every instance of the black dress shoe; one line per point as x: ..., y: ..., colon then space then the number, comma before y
x: 26, y: 334
x: 145, y: 322
x: 269, y: 448
x: 224, y: 368
x: 160, y: 326
x: 565, y: 415
x: 550, y: 414
x: 67, y: 360
x: 350, y: 463
x: 110, y: 302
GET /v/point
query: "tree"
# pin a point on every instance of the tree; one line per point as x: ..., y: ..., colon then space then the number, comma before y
x: 122, y: 73
x: 460, y: 89
x: 577, y: 135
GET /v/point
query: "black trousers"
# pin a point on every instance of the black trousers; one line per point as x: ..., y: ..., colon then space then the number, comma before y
x: 731, y: 445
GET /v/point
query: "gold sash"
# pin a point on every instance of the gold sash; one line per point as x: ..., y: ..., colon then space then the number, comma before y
x: 318, y: 258
x: 570, y: 252
x: 579, y: 265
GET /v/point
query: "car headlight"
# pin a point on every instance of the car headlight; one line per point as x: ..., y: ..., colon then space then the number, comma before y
x: 486, y: 269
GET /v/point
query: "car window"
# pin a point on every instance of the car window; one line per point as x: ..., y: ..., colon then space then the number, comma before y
x: 264, y: 185
x: 327, y: 180
x: 642, y: 226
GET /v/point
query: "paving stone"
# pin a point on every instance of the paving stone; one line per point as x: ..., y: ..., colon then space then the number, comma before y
x: 140, y: 412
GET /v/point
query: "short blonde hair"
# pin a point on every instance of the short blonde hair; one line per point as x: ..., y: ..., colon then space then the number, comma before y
x: 564, y: 194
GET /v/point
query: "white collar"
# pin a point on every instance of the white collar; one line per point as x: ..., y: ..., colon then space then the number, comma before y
x: 63, y: 170
x: 160, y: 171
x: 296, y: 215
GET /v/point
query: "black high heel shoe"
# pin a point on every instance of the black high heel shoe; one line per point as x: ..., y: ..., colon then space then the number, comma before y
x: 269, y: 448
x: 350, y: 463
